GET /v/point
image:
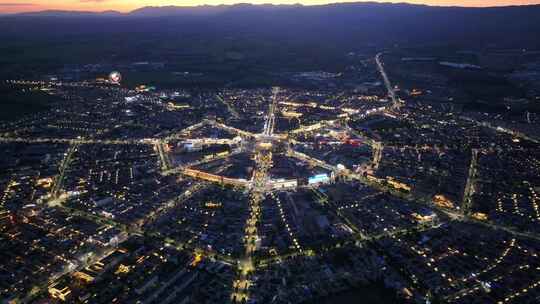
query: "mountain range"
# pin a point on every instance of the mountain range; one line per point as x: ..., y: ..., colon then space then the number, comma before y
x: 351, y: 7
x: 263, y: 33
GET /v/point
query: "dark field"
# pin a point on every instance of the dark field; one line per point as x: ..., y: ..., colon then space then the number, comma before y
x: 372, y: 294
x: 16, y: 103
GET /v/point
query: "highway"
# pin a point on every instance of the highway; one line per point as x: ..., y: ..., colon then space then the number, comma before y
x: 59, y: 179
x: 233, y: 112
x: 469, y: 186
x: 313, y: 127
x: 180, y: 135
x: 270, y: 122
x: 211, y: 141
x: 377, y: 154
x: 263, y: 163
x: 387, y: 84
x: 163, y: 156
x: 501, y: 129
x: 232, y: 129
x: 245, y: 264
x: 79, y: 141
x: 313, y: 161
x: 263, y: 160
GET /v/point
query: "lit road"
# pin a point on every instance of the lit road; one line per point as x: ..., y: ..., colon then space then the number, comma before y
x: 313, y: 161
x: 58, y: 180
x: 377, y: 154
x: 245, y: 265
x: 207, y: 122
x: 163, y: 156
x: 501, y: 129
x: 79, y: 141
x: 270, y: 122
x: 387, y: 84
x: 91, y: 259
x: 469, y: 186
x: 173, y: 203
x: 233, y: 112
x: 231, y: 129
x: 182, y: 133
x: 263, y: 161
x: 310, y: 128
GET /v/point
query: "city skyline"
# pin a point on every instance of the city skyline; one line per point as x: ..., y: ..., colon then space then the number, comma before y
x: 19, y: 6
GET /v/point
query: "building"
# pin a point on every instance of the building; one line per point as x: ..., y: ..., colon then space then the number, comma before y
x: 319, y: 179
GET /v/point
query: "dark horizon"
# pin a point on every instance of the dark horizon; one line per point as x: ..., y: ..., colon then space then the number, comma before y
x: 247, y: 4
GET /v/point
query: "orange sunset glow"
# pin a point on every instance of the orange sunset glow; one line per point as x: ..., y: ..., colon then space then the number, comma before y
x: 14, y: 6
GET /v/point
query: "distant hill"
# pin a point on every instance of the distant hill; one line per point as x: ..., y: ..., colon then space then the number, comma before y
x: 61, y: 13
x: 336, y: 23
x: 347, y: 8
x: 202, y: 38
x: 206, y: 10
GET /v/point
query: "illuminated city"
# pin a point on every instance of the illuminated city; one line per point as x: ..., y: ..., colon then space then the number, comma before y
x: 368, y: 181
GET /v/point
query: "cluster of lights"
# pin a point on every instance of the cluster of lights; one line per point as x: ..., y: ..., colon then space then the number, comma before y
x: 521, y: 292
x: 499, y: 205
x: 498, y: 260
x: 534, y: 201
x: 7, y: 191
x: 515, y: 202
x: 282, y: 214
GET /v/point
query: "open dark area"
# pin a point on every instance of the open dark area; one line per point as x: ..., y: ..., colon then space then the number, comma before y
x: 17, y: 102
